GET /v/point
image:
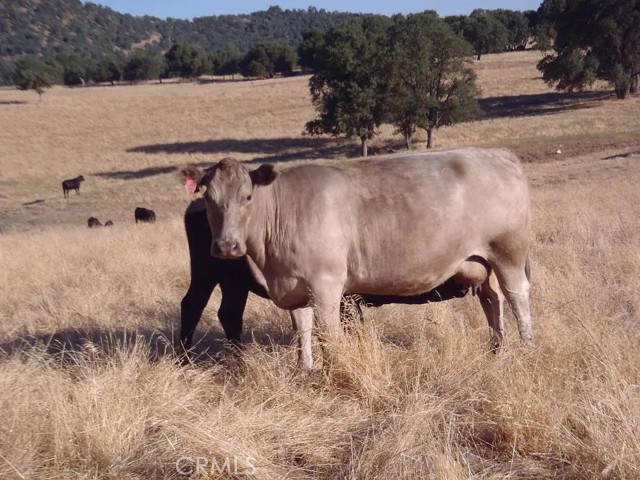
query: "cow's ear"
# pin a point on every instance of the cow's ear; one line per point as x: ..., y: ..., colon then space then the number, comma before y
x: 264, y: 175
x: 192, y: 177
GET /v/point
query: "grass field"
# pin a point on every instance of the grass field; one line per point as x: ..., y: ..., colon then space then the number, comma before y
x: 89, y: 388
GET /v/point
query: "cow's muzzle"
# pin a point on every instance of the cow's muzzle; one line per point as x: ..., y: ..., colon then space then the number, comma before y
x: 227, y: 248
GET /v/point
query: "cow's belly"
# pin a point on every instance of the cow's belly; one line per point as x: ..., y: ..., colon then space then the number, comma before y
x: 398, y: 282
x: 410, y: 272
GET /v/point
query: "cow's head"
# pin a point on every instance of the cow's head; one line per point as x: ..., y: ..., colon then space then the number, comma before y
x: 229, y: 188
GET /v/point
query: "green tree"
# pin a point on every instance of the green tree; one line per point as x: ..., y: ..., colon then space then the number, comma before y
x: 226, y: 62
x: 31, y: 73
x: 485, y: 32
x: 143, y: 66
x: 200, y: 63
x: 7, y: 72
x: 516, y: 25
x: 109, y: 69
x: 75, y: 70
x: 310, y: 48
x: 348, y: 89
x: 266, y: 59
x: 431, y: 83
x: 185, y: 61
x: 178, y: 60
x: 592, y: 40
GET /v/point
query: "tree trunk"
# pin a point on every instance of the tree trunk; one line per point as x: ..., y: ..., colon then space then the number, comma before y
x: 622, y: 87
x: 407, y: 140
x: 364, y: 146
x: 635, y: 83
x: 622, y: 91
x: 430, y: 133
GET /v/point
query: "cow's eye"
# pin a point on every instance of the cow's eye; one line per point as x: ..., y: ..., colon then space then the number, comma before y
x: 248, y: 198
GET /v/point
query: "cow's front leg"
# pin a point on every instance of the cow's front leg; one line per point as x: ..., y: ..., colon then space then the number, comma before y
x: 302, y: 320
x: 327, y: 308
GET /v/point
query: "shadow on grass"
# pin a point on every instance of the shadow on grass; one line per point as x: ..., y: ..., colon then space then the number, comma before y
x: 265, y: 150
x: 137, y: 174
x: 622, y: 155
x: 12, y: 102
x: 280, y: 150
x: 539, y: 104
x: 34, y: 202
x: 67, y: 345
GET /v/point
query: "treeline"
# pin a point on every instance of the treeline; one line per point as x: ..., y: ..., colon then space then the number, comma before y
x: 51, y: 28
x: 488, y: 32
x: 182, y: 60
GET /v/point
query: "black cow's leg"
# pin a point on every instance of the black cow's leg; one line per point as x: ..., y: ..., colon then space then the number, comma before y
x: 234, y: 300
x: 191, y: 309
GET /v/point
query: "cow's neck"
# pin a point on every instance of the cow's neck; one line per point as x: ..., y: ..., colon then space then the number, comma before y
x: 271, y: 222
x: 263, y: 217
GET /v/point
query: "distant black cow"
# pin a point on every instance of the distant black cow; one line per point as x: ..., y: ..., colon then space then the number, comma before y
x: 109, y: 223
x: 145, y: 215
x: 71, y: 184
x: 93, y: 222
x: 236, y: 281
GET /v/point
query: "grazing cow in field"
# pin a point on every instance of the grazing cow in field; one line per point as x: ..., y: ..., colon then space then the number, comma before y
x: 144, y: 215
x: 397, y: 226
x: 93, y: 222
x: 71, y: 184
x: 236, y: 281
x: 109, y: 223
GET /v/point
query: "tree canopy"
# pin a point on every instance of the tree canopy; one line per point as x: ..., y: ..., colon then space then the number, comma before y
x: 142, y: 66
x: 592, y: 40
x: 31, y: 73
x: 347, y: 89
x: 266, y: 59
x: 431, y: 83
x: 185, y: 61
x: 411, y: 71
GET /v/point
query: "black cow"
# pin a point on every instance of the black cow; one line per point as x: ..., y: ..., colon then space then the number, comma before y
x: 145, y: 215
x: 236, y: 281
x: 71, y: 184
x: 93, y: 222
x: 109, y: 223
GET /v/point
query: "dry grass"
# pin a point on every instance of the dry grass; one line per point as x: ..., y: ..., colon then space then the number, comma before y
x: 87, y: 317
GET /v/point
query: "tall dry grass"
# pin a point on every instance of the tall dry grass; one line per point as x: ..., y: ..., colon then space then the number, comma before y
x: 88, y: 385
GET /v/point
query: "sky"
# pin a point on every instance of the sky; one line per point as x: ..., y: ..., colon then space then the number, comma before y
x: 199, y: 8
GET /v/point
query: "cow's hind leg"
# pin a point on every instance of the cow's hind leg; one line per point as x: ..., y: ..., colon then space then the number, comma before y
x: 492, y: 302
x: 515, y: 285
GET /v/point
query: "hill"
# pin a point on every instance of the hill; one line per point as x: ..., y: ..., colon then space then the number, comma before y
x: 71, y: 27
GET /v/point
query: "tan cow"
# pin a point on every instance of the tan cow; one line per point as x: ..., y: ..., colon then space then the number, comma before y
x: 396, y: 226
